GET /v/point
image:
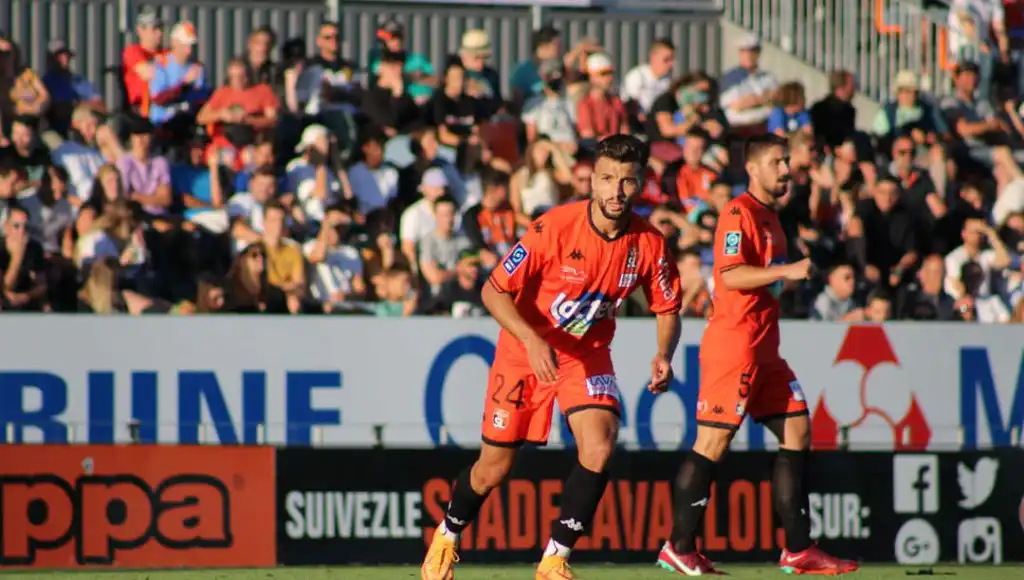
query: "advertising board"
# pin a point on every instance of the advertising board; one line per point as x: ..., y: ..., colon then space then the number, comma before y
x: 421, y: 382
x: 67, y: 506
x: 381, y: 506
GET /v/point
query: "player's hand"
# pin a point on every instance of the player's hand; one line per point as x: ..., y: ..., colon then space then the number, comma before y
x: 661, y: 374
x: 542, y: 360
x: 798, y: 270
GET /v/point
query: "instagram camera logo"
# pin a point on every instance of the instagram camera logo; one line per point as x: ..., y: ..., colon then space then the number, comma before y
x: 871, y: 396
x: 979, y: 540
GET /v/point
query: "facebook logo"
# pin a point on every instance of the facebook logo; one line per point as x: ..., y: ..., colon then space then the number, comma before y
x: 915, y: 484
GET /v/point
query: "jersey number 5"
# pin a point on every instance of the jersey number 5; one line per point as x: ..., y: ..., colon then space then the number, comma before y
x: 513, y: 395
x: 745, y: 380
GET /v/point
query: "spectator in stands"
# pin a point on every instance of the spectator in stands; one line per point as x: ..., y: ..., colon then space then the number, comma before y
x: 527, y: 80
x: 600, y: 113
x: 686, y: 105
x: 314, y: 176
x: 335, y: 267
x: 397, y: 297
x: 973, y: 120
x: 459, y: 297
x: 236, y: 113
x: 879, y: 307
x: 439, y: 250
x: 910, y: 113
x: 424, y: 146
x: 419, y: 221
x: 540, y: 183
x: 52, y: 217
x: 179, y: 86
x: 978, y: 34
x: 389, y: 104
x: 413, y: 66
x: 1009, y: 191
x: 80, y: 154
x: 67, y: 90
x: 374, y: 182
x: 327, y: 87
x: 834, y: 117
x: 970, y: 271
x: 790, y: 112
x: 209, y: 296
x: 106, y: 189
x: 285, y: 267
x: 582, y: 176
x: 117, y: 234
x: 137, y: 60
x: 920, y: 196
x: 146, y: 177
x: 246, y: 208
x: 835, y: 303
x: 696, y: 298
x: 197, y: 184
x: 246, y: 288
x: 22, y: 265
x: 483, y: 82
x: 646, y: 82
x: 550, y: 113
x: 23, y: 91
x: 883, y: 236
x: 747, y: 91
x: 490, y: 225
x: 453, y: 111
x: 688, y: 180
x: 260, y: 69
x: 925, y: 299
x: 25, y: 150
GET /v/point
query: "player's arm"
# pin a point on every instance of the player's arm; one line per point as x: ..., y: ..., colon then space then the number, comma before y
x: 738, y: 260
x: 662, y: 288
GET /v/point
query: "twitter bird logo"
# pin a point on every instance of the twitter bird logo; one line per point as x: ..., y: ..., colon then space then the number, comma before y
x: 976, y: 486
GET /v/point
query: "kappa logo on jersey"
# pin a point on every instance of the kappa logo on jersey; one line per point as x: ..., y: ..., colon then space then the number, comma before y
x: 732, y: 243
x: 576, y: 316
x: 515, y: 258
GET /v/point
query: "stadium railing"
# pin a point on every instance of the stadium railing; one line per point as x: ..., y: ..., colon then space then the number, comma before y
x: 875, y: 39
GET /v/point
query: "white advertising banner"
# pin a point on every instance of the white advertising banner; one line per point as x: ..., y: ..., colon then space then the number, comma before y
x: 421, y: 382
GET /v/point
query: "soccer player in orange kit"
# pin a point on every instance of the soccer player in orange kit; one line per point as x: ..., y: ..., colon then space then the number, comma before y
x: 555, y: 295
x: 742, y: 372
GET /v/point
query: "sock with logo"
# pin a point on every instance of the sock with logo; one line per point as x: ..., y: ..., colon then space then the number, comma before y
x: 463, y: 507
x: 692, y: 493
x: 789, y: 493
x: 580, y: 495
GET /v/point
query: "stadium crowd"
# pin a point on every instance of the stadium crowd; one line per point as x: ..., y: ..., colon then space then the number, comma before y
x: 311, y: 184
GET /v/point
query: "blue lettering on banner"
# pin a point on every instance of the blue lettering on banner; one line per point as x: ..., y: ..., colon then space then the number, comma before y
x: 976, y: 382
x: 433, y: 394
x: 195, y: 389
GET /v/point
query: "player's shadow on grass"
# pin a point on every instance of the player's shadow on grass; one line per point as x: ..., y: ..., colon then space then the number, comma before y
x: 928, y: 572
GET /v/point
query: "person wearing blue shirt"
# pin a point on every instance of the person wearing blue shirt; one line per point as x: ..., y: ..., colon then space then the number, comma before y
x: 417, y: 69
x: 179, y: 84
x: 526, y: 81
x: 67, y: 89
x: 790, y: 113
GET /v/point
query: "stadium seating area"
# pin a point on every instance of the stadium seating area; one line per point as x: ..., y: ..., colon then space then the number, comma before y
x: 310, y: 184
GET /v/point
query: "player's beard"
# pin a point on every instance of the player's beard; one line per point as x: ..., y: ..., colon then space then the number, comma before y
x: 781, y: 188
x: 626, y: 208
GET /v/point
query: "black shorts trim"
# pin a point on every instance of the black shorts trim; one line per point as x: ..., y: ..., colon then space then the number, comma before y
x: 612, y: 409
x: 718, y: 425
x: 767, y: 418
x: 512, y: 444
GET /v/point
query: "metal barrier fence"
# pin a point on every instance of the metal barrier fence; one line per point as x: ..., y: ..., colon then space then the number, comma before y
x: 98, y: 30
x: 874, y: 39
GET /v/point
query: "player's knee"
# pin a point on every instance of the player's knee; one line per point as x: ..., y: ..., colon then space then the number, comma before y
x: 712, y: 442
x: 489, y: 472
x: 594, y: 456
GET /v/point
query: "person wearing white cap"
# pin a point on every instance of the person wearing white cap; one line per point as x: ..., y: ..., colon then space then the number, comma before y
x: 316, y: 184
x: 601, y: 113
x: 482, y: 81
x: 418, y: 219
x: 910, y: 111
x: 178, y: 86
x: 747, y: 91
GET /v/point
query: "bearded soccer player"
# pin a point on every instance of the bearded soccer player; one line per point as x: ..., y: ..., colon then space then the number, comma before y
x: 555, y: 295
x: 742, y: 372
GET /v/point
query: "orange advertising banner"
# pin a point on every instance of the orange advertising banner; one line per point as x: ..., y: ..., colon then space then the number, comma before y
x: 136, y: 506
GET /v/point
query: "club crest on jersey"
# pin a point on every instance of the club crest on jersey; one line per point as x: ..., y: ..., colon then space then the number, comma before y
x: 632, y: 259
x: 577, y: 315
x: 515, y: 258
x: 732, y: 243
x: 627, y: 280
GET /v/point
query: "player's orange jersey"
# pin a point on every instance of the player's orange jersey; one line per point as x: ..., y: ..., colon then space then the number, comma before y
x: 569, y: 280
x: 744, y: 324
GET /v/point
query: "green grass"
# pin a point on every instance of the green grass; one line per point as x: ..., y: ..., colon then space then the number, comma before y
x: 469, y: 572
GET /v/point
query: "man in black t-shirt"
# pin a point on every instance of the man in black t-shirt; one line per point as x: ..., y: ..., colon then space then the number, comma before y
x: 25, y: 151
x: 460, y: 296
x: 22, y: 265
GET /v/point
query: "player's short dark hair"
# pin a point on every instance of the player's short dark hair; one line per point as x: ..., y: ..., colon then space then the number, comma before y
x: 878, y: 294
x: 624, y: 149
x: 663, y: 42
x: 543, y: 35
x: 493, y: 177
x: 264, y: 171
x: 760, y: 144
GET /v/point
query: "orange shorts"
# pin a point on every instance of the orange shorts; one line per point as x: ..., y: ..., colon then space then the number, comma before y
x: 518, y: 407
x: 731, y: 391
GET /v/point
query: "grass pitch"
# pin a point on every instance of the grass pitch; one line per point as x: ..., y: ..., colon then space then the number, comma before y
x: 469, y: 572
